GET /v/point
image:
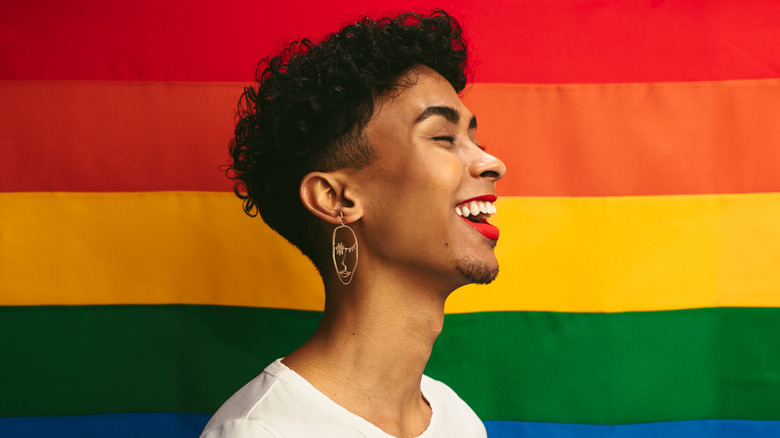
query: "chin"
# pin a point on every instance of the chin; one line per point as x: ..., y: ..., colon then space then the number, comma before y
x: 477, y: 271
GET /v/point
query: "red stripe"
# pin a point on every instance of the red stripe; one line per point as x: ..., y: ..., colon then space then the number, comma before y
x: 115, y: 136
x: 517, y: 41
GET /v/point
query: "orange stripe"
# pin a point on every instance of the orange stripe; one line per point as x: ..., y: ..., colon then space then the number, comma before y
x: 557, y: 140
x: 632, y: 139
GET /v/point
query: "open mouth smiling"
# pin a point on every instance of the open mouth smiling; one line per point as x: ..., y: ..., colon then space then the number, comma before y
x: 476, y: 211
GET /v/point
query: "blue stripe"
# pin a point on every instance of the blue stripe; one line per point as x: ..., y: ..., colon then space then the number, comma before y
x: 157, y: 425
x: 672, y: 429
x: 178, y: 425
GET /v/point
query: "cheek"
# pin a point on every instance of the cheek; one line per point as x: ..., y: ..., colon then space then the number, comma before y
x: 417, y: 188
x: 441, y: 180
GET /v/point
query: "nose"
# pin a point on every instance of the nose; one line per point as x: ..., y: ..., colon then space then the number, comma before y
x: 487, y: 166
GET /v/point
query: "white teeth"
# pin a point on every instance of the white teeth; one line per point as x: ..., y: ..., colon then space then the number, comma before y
x: 474, y: 208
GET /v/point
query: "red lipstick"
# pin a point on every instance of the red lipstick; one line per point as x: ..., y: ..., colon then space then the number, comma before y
x: 482, y: 226
x: 488, y: 198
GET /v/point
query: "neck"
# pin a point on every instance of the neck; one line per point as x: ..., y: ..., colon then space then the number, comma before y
x: 370, y: 351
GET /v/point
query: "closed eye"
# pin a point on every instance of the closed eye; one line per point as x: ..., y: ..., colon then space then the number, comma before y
x: 446, y: 138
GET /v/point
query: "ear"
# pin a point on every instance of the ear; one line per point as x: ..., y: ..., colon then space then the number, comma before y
x: 326, y: 194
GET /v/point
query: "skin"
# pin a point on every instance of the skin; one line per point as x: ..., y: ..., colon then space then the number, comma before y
x: 376, y: 335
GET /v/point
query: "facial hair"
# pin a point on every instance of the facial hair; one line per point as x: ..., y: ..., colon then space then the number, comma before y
x: 476, y: 271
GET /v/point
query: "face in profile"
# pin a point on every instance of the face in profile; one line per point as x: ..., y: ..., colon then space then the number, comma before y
x: 428, y: 196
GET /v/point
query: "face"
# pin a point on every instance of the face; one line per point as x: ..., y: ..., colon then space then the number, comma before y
x: 429, y: 194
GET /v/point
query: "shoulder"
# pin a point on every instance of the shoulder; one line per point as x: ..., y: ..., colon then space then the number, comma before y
x: 280, y: 403
x: 245, y: 412
x: 240, y: 428
x: 441, y: 393
x: 452, y: 414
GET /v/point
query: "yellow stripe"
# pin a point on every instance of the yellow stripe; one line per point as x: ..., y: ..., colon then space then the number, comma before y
x: 147, y: 248
x: 558, y: 254
x: 633, y: 254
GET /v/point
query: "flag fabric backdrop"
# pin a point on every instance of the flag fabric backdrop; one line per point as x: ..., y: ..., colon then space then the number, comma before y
x: 640, y: 247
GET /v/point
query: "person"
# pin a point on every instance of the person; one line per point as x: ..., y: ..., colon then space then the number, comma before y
x: 359, y: 151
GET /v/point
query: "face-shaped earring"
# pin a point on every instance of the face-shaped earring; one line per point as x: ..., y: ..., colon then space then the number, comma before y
x: 345, y: 251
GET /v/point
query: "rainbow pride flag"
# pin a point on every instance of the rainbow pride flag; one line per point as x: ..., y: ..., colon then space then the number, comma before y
x: 639, y: 293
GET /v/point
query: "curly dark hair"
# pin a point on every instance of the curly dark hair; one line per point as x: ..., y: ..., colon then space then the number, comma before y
x: 311, y: 102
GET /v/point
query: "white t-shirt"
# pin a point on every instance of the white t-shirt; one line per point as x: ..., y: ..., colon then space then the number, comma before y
x: 279, y: 403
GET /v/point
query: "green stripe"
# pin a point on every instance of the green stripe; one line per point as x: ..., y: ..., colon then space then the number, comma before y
x: 523, y: 366
x: 614, y: 368
x: 74, y: 360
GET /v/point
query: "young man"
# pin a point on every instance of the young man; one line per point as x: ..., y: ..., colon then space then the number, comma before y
x: 359, y: 151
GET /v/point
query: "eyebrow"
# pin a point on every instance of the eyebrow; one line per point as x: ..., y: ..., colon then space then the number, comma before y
x: 451, y: 114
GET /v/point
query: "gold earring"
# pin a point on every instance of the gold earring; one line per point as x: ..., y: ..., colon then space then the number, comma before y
x: 341, y: 249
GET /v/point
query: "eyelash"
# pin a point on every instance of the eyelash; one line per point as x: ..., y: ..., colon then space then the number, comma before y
x: 445, y: 138
x: 452, y: 140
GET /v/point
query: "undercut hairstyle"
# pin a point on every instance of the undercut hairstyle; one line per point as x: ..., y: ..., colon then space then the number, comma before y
x: 310, y: 105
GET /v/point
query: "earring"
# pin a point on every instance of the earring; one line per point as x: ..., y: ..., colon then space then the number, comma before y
x: 341, y: 250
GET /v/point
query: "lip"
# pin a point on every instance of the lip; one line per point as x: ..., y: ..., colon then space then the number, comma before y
x: 489, y: 198
x: 488, y: 230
